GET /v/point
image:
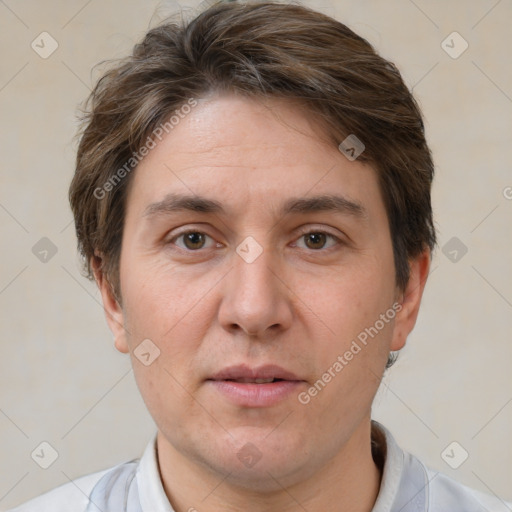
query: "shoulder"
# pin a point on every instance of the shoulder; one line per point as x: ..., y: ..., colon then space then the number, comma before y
x: 409, y: 485
x: 103, y: 490
x: 448, y: 494
x: 70, y: 497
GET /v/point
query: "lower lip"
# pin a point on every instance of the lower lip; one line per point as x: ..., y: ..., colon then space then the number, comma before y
x: 256, y: 395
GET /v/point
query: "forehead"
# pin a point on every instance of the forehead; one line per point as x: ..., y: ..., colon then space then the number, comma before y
x: 245, y: 151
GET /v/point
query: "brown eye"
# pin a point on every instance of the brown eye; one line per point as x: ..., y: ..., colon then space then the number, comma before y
x: 315, y: 240
x: 193, y: 241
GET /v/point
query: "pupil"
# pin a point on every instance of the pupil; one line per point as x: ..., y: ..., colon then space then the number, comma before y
x: 317, y: 239
x: 193, y: 240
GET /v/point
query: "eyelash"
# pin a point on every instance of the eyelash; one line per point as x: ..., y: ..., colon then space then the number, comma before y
x: 301, y: 235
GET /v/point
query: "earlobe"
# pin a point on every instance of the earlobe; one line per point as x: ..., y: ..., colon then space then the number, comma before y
x: 113, y: 311
x: 410, y: 300
x: 121, y: 344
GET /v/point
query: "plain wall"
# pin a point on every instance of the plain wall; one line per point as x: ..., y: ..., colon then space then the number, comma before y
x: 62, y: 381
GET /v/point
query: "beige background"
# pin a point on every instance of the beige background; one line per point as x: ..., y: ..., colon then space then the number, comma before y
x: 61, y: 380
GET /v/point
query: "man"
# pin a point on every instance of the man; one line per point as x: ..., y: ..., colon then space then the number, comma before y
x: 252, y: 197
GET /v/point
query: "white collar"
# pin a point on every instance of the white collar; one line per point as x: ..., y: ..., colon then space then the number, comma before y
x: 392, y: 489
x: 151, y: 491
x: 392, y: 492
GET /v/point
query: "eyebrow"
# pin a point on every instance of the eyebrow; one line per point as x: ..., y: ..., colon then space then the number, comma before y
x: 194, y: 203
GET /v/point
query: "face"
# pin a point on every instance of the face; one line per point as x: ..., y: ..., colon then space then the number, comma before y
x: 254, y: 258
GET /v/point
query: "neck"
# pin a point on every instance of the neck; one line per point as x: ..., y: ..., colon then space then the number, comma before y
x: 351, y: 479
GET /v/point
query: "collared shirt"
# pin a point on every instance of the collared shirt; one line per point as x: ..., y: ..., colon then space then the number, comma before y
x: 136, y: 486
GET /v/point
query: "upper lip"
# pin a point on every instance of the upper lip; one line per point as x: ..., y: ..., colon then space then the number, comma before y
x: 260, y: 372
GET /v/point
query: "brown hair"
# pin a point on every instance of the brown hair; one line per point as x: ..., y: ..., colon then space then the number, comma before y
x: 258, y: 49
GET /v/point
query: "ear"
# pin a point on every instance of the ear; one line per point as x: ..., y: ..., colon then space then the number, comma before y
x: 410, y: 300
x: 111, y: 307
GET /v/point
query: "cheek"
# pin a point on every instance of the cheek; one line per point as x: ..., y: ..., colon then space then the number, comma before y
x: 159, y: 303
x: 352, y: 301
x: 358, y: 339
x: 163, y: 393
x: 167, y: 310
x: 349, y: 369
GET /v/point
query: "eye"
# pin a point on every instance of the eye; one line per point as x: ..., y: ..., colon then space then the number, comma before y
x: 192, y: 240
x: 196, y: 240
x: 316, y: 240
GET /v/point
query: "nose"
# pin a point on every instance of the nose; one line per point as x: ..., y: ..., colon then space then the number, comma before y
x: 256, y: 300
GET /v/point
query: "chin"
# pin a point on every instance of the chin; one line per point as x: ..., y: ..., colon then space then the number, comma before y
x: 257, y: 462
x: 266, y: 476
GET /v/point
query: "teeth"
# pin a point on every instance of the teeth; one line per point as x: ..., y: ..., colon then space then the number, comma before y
x: 255, y: 381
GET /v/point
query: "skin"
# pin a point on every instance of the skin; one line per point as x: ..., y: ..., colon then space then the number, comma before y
x: 299, y: 305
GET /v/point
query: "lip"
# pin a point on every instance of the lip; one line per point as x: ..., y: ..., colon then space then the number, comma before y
x: 243, y: 371
x: 250, y: 394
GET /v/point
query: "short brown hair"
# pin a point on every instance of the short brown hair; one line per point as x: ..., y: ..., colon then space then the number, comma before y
x: 260, y: 50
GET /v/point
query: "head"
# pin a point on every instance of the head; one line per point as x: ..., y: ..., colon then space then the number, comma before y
x: 226, y: 228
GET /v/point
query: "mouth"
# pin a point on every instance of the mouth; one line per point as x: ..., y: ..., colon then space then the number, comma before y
x: 249, y: 380
x: 258, y: 375
x: 261, y: 386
